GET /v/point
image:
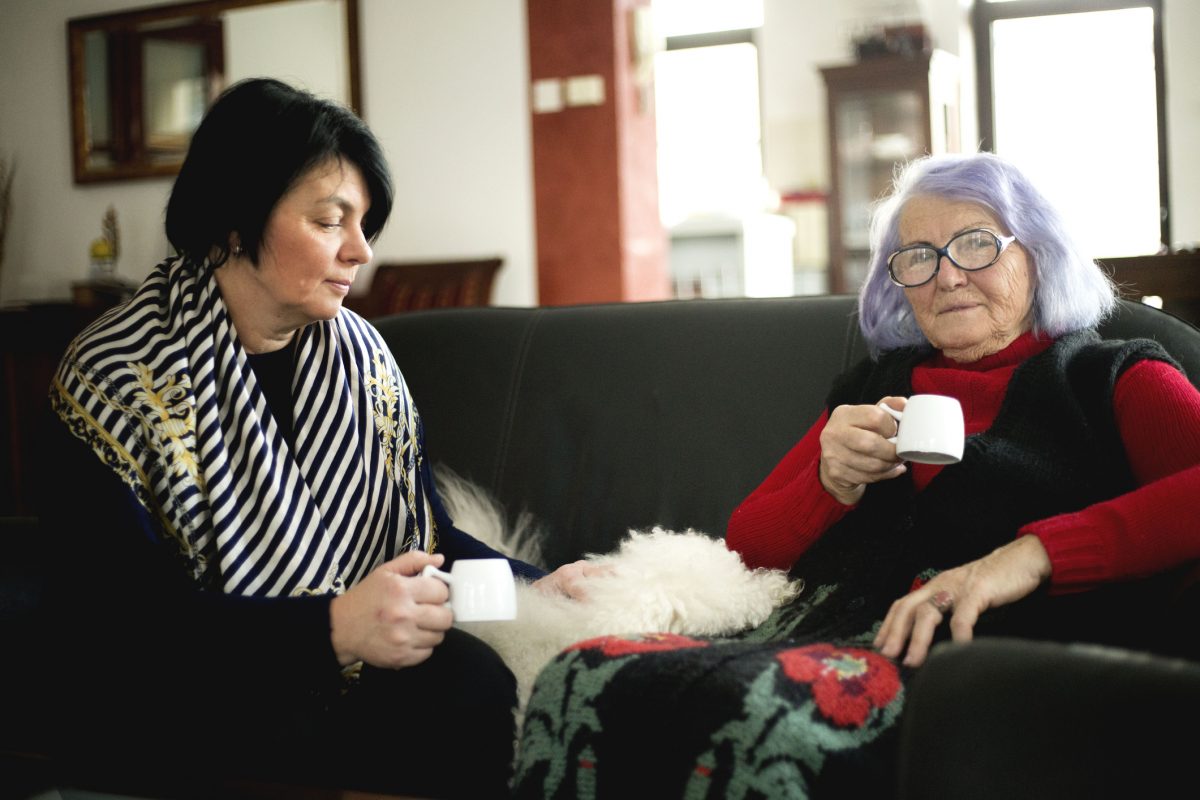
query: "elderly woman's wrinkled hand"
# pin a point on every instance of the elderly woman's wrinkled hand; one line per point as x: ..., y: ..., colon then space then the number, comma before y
x: 855, y: 450
x: 393, y: 618
x: 960, y: 595
x: 571, y: 579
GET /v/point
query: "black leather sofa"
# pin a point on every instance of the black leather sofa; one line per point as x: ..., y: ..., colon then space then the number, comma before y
x: 604, y: 418
x: 598, y: 419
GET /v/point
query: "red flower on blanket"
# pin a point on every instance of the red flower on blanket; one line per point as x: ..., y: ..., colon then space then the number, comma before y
x: 614, y: 646
x: 846, y: 682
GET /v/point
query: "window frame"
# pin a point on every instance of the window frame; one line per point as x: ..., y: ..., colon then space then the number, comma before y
x: 983, y: 14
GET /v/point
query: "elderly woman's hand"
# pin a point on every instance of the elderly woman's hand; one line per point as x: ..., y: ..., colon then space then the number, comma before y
x: 571, y: 579
x: 394, y: 617
x: 855, y: 449
x: 960, y: 595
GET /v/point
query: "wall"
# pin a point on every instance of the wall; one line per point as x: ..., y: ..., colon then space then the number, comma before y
x: 53, y: 221
x: 257, y: 40
x: 1181, y: 27
x: 444, y: 89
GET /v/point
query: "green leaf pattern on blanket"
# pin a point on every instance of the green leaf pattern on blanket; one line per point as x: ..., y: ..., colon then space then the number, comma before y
x: 562, y: 710
x: 786, y: 618
x: 770, y: 751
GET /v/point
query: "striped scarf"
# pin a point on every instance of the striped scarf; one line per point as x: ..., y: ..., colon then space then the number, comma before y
x: 161, y: 390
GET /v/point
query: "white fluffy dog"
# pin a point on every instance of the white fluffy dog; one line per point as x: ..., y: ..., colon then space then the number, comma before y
x: 657, y: 582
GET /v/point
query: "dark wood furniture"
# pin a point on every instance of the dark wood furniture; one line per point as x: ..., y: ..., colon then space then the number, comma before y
x: 1174, y: 277
x: 881, y: 111
x: 100, y: 295
x: 33, y: 339
x: 415, y: 286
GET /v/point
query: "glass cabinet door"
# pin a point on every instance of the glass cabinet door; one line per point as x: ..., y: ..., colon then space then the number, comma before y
x: 875, y: 131
x: 882, y: 112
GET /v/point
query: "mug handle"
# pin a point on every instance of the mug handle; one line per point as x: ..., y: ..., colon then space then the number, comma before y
x: 430, y: 571
x: 896, y: 415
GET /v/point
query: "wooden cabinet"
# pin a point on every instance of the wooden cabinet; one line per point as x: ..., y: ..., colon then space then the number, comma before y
x: 881, y: 112
x: 33, y: 339
x: 1174, y: 277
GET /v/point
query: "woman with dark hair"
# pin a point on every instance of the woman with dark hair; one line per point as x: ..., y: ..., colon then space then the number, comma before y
x: 246, y: 597
x: 1071, y: 516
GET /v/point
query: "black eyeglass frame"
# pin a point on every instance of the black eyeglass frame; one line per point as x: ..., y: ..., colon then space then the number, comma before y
x: 1002, y: 243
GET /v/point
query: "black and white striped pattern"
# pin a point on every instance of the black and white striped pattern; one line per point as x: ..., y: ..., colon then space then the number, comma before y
x: 161, y: 390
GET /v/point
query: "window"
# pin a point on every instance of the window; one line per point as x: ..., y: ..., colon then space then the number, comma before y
x: 1073, y: 93
x: 712, y: 194
x: 709, y: 139
x: 706, y: 106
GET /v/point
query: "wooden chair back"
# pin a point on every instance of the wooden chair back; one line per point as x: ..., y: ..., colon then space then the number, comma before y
x: 415, y: 286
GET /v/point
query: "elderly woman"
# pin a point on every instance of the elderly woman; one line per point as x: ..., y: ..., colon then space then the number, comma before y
x: 1082, y: 460
x: 246, y: 508
x: 1080, y: 471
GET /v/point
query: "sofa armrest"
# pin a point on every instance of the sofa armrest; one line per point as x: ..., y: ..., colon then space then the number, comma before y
x: 1005, y: 718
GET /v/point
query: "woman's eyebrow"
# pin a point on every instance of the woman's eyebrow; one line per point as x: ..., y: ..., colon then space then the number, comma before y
x: 337, y: 200
x: 974, y: 226
x: 982, y: 224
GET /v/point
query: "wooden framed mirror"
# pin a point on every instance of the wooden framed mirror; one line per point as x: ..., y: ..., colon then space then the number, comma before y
x: 142, y: 79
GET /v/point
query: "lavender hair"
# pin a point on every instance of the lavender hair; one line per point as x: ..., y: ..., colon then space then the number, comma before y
x: 1071, y: 292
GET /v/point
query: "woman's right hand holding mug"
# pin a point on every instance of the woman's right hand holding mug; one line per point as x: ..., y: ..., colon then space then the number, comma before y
x: 855, y: 449
x: 394, y: 617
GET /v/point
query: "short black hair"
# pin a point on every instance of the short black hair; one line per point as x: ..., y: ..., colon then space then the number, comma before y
x: 258, y: 139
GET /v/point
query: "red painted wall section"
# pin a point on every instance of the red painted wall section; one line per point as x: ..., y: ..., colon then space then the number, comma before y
x: 599, y: 238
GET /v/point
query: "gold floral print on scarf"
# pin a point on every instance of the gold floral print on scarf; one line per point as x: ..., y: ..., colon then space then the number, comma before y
x: 164, y: 409
x: 396, y: 424
x: 168, y: 416
x: 385, y: 396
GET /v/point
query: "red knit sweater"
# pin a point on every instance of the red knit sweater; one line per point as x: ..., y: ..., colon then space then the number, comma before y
x: 1147, y: 530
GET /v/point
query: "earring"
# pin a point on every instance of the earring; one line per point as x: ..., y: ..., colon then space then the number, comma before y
x: 237, y: 251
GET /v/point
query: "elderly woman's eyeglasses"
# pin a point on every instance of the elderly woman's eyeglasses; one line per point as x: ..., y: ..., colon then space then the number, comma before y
x: 971, y: 250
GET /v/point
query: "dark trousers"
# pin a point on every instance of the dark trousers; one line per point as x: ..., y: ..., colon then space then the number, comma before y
x: 444, y: 728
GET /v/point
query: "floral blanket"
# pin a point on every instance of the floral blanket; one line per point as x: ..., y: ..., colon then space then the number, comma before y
x: 761, y: 715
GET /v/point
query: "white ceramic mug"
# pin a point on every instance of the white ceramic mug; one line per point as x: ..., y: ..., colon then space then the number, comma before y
x: 481, y: 589
x: 931, y: 429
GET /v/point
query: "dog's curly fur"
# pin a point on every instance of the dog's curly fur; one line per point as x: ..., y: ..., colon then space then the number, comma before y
x: 657, y: 582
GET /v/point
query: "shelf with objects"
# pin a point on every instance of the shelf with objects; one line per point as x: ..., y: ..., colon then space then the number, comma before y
x: 882, y: 111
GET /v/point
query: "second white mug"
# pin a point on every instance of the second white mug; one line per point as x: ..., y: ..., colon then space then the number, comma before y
x: 931, y: 429
x: 481, y: 589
